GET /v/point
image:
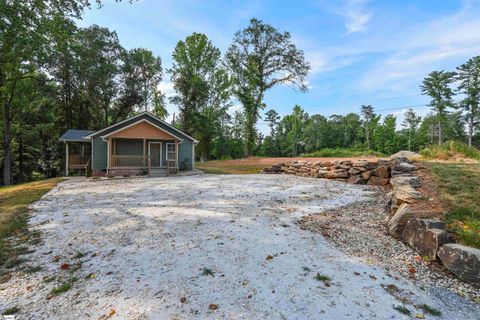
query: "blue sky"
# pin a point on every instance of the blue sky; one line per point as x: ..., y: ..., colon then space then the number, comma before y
x: 361, y: 52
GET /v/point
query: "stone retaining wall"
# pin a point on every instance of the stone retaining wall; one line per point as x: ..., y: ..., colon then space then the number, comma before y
x: 428, y: 237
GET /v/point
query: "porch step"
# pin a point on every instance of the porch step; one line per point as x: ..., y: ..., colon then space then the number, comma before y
x: 158, y: 172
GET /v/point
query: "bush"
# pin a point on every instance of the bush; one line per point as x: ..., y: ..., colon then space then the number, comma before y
x: 342, y: 152
x: 450, y: 149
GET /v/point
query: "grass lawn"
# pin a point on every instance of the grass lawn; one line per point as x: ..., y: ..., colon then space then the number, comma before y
x: 342, y: 152
x: 14, y: 202
x: 229, y: 167
x: 459, y: 186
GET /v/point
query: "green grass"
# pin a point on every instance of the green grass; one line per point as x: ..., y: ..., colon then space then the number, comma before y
x: 10, y: 311
x: 14, y: 202
x: 429, y: 310
x: 64, y: 287
x: 342, y: 153
x: 323, y: 278
x: 402, y: 310
x: 459, y: 186
x: 450, y: 149
x: 207, y: 272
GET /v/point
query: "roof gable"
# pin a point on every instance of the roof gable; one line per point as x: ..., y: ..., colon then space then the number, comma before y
x: 142, y: 129
x: 139, y: 117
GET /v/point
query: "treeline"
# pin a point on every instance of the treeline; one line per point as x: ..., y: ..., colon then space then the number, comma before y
x: 366, y: 132
x: 55, y: 76
x: 455, y: 101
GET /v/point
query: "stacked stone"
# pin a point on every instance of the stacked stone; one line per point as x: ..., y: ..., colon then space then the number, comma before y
x: 376, y: 173
x: 428, y: 237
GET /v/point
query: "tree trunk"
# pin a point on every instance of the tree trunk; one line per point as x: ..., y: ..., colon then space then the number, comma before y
x: 7, y: 165
x: 409, y: 139
x: 439, y: 131
x: 470, y: 128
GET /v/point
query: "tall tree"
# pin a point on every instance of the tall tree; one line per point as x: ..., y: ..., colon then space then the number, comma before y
x: 438, y: 86
x: 23, y: 42
x: 259, y: 58
x: 468, y: 75
x: 272, y: 119
x: 368, y: 116
x: 202, y: 88
x: 411, y: 122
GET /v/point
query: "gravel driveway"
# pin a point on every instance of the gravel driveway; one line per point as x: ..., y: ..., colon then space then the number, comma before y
x: 209, y: 246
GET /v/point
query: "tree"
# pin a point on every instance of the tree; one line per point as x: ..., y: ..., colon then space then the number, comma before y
x: 369, y: 122
x: 437, y: 86
x: 25, y: 27
x: 468, y: 75
x: 272, y: 119
x: 260, y: 58
x: 411, y: 122
x: 202, y: 88
x: 143, y: 72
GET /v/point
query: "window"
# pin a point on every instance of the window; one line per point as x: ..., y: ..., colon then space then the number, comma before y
x: 171, y: 151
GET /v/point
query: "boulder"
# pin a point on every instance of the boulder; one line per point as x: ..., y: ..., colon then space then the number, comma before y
x: 404, y: 154
x: 335, y: 174
x: 376, y: 181
x: 356, y: 170
x: 399, y: 219
x: 404, y: 167
x: 382, y: 172
x: 356, y: 180
x: 412, y: 181
x: 385, y: 162
x: 405, y: 193
x: 366, y: 175
x: 462, y: 261
x: 361, y: 163
x: 425, y: 236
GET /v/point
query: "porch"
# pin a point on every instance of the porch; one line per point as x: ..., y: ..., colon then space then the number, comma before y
x: 128, y: 156
x: 77, y: 151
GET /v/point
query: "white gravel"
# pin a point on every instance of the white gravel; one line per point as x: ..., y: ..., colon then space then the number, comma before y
x: 147, y: 241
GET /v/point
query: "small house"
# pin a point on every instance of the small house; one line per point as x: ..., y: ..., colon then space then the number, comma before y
x: 142, y: 144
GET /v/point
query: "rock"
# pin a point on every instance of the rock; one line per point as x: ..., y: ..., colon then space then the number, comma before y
x: 356, y: 180
x: 426, y: 236
x: 360, y: 163
x: 366, y: 175
x: 405, y: 193
x: 376, y: 181
x: 356, y: 170
x: 462, y: 261
x: 399, y: 219
x: 385, y: 162
x: 405, y: 154
x: 404, y: 167
x: 382, y: 172
x: 412, y: 181
x: 338, y: 173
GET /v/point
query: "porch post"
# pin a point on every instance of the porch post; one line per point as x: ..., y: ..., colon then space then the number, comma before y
x: 176, y: 155
x: 144, y: 151
x: 66, y: 159
x: 109, y: 142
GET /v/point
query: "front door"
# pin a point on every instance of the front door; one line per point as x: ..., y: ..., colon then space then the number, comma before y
x: 154, y: 151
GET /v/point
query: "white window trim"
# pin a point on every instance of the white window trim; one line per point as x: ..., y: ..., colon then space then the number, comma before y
x: 166, y: 149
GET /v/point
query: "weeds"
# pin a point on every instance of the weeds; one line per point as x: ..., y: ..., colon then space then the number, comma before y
x: 402, y: 310
x: 64, y: 287
x: 429, y: 310
x: 208, y: 272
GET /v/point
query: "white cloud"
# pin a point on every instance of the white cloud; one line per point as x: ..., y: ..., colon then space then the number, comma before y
x: 356, y: 16
x: 166, y: 88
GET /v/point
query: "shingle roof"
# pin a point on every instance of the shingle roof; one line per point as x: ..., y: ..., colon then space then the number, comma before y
x: 75, y: 135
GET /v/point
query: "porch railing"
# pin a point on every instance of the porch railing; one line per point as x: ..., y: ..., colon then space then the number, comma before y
x: 128, y: 161
x: 77, y: 161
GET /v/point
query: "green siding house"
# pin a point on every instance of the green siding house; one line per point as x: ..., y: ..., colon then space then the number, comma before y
x: 142, y: 144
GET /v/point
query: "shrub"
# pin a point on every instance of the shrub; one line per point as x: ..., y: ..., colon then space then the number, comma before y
x: 450, y: 149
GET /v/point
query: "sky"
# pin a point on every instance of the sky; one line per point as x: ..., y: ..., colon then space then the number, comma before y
x: 360, y: 51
